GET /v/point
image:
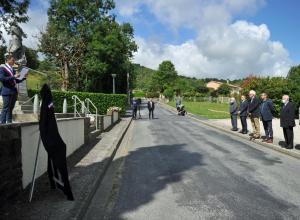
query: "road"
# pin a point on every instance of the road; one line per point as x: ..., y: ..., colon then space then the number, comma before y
x: 177, y: 168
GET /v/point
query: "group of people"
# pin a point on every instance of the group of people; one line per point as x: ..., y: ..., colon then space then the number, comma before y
x: 136, y: 108
x: 9, y: 92
x: 263, y: 110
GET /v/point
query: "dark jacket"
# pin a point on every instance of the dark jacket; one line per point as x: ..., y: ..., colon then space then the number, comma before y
x: 267, y: 110
x: 287, y: 116
x: 149, y: 106
x: 254, y: 107
x: 8, y: 82
x: 244, y: 108
x: 233, y: 108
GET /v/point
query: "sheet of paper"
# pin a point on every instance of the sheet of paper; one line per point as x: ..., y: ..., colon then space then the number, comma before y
x: 23, y: 73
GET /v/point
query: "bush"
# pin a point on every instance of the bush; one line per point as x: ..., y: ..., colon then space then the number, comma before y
x: 152, y: 95
x: 102, y: 101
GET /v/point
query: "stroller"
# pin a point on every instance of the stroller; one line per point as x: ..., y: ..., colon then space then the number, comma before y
x: 181, y: 111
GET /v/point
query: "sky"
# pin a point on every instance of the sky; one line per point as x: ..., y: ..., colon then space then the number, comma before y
x: 227, y: 39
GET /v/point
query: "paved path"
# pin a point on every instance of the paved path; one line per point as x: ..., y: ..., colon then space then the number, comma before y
x: 176, y: 168
x: 278, y: 133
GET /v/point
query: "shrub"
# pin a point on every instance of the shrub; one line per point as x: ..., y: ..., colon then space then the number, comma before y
x: 102, y: 101
x: 152, y: 95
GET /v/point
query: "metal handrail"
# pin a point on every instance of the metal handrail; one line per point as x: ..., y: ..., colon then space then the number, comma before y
x: 83, y: 107
x: 27, y: 101
x: 88, y: 102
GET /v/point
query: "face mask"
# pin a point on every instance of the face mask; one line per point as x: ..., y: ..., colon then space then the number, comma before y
x: 283, y: 101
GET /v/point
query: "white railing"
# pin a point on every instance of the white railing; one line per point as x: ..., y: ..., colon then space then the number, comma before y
x: 26, y: 102
x: 82, y: 106
x: 88, y: 102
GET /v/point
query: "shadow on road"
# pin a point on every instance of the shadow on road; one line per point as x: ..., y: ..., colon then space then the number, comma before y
x: 149, y: 171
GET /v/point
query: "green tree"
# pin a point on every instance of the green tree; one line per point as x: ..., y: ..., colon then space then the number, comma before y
x: 224, y: 89
x: 12, y: 12
x: 32, y: 58
x: 88, y: 44
x: 2, y: 54
x: 165, y: 76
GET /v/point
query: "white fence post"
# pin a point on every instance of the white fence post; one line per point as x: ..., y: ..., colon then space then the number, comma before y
x: 65, y: 106
x: 36, y: 104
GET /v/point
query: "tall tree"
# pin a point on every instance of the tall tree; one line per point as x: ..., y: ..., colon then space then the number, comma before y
x: 88, y: 44
x: 12, y: 12
x: 165, y: 76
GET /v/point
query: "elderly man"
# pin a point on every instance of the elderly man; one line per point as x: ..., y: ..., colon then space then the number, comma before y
x: 254, y: 114
x: 243, y: 114
x: 233, y: 109
x: 266, y: 112
x: 287, y: 121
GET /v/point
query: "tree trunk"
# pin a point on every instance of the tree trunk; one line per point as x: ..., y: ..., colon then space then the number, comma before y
x: 77, y: 77
x: 65, y: 76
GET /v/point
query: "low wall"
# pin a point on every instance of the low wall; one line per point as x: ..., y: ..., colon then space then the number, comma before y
x: 18, y: 146
x: 107, y: 121
x: 71, y: 131
x: 10, y: 162
x: 115, y: 117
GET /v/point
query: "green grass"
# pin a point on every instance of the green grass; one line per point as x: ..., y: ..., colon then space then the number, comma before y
x: 138, y: 94
x: 206, y: 109
x: 34, y: 80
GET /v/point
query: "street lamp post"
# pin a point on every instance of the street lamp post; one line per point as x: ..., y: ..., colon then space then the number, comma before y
x: 128, y: 88
x: 114, y: 82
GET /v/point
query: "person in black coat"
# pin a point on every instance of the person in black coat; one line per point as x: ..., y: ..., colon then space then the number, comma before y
x: 151, y: 107
x: 287, y: 121
x: 254, y: 114
x: 233, y: 109
x: 243, y: 114
x: 9, y: 92
x: 266, y: 111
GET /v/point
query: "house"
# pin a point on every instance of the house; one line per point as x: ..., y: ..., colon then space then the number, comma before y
x: 215, y: 85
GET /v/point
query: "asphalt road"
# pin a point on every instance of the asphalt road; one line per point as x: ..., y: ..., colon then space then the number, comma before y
x: 176, y: 168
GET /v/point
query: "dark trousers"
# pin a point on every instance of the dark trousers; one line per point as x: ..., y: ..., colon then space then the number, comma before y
x: 151, y: 113
x: 9, y: 102
x: 244, y: 123
x: 234, y: 121
x: 268, y: 129
x: 134, y: 113
x: 289, y: 137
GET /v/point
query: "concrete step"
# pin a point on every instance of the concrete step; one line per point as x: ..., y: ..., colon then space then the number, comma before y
x: 92, y: 128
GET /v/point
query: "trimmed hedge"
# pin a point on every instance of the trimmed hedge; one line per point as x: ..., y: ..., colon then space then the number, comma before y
x: 102, y: 101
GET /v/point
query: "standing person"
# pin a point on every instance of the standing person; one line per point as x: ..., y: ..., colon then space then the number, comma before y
x: 134, y: 108
x: 151, y: 107
x: 9, y: 92
x: 243, y: 114
x: 178, y: 101
x: 254, y: 114
x: 287, y: 121
x: 266, y: 112
x: 233, y: 108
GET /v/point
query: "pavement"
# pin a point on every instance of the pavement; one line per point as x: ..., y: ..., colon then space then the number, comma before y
x: 87, y: 167
x: 176, y: 167
x: 278, y: 133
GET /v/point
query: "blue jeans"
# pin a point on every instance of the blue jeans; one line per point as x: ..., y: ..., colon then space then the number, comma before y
x: 9, y: 102
x: 268, y: 129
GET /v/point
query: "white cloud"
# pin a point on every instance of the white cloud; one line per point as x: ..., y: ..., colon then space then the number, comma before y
x: 223, y: 47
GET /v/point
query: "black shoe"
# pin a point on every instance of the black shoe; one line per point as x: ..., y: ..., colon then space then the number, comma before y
x: 234, y: 129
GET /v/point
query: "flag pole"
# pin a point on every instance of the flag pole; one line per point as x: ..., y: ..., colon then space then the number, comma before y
x: 34, y: 171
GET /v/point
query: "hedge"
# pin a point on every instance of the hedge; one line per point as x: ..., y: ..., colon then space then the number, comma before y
x: 102, y: 101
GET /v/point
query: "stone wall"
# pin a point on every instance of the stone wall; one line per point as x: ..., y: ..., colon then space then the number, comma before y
x: 10, y: 162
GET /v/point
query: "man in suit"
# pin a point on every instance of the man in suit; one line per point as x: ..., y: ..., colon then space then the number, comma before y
x: 266, y: 112
x: 151, y: 107
x: 254, y: 114
x: 9, y: 79
x: 243, y: 114
x: 287, y: 121
x: 233, y: 109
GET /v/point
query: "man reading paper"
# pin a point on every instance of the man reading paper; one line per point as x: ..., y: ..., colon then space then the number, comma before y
x: 9, y: 79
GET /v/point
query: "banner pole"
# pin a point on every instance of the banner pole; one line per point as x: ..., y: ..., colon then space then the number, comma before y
x: 34, y: 171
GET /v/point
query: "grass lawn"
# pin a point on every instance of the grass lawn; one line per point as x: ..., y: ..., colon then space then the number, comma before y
x: 206, y: 109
